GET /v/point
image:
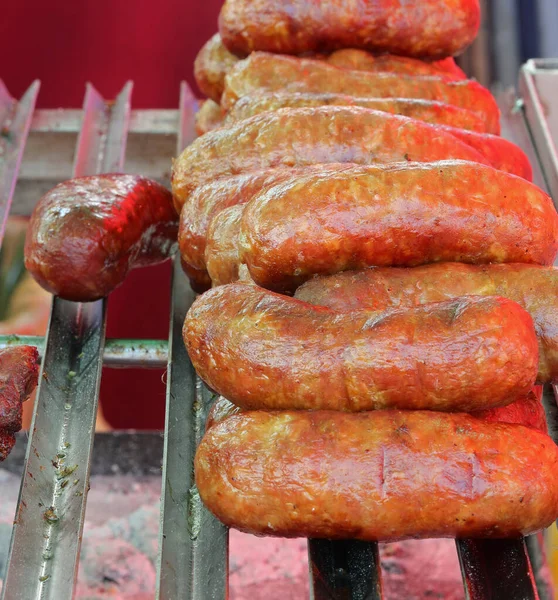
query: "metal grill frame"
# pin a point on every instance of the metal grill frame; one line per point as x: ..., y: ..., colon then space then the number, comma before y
x: 193, y: 562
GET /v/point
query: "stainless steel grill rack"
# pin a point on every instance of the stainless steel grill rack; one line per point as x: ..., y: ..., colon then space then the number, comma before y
x: 193, y: 545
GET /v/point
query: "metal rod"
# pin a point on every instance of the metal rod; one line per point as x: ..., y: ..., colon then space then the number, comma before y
x: 193, y: 561
x: 118, y: 353
x: 344, y: 570
x: 15, y: 120
x: 46, y: 538
x: 496, y: 569
x: 534, y: 75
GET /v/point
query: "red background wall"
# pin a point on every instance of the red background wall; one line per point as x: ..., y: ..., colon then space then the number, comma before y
x: 154, y: 43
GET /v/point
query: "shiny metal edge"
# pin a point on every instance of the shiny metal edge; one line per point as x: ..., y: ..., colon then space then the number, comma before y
x: 14, y: 129
x: 118, y: 353
x: 193, y: 560
x: 46, y: 539
x: 535, y: 111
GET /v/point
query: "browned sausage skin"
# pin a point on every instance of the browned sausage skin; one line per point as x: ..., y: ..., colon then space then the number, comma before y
x: 87, y: 233
x: 533, y: 287
x: 527, y: 411
x: 212, y: 63
x: 430, y: 111
x: 350, y: 217
x: 262, y: 72
x: 210, y: 199
x: 377, y: 476
x: 210, y: 116
x: 361, y: 60
x: 19, y: 372
x: 432, y: 29
x: 298, y: 137
x: 265, y: 351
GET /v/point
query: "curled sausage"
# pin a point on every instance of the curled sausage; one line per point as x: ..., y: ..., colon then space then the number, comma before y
x: 297, y: 137
x: 377, y: 476
x: 265, y: 351
x: 19, y: 372
x: 87, y: 233
x: 430, y: 111
x: 212, y: 63
x: 431, y: 29
x: 262, y: 72
x: 350, y: 217
x: 533, y: 287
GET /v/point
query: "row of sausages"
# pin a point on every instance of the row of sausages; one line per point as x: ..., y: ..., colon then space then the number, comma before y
x: 328, y: 170
x: 378, y: 256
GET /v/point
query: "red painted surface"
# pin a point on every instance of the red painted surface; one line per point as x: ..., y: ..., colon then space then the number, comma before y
x: 107, y: 42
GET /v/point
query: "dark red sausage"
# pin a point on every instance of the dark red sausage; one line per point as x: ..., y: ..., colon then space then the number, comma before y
x: 265, y: 351
x: 377, y: 476
x: 19, y: 372
x: 430, y: 29
x: 87, y: 233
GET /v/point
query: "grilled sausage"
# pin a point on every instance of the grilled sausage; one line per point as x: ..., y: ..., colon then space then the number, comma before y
x: 533, y: 287
x: 265, y: 351
x: 430, y: 111
x: 212, y: 63
x: 210, y: 116
x: 499, y: 152
x: 527, y: 411
x: 296, y: 137
x: 210, y: 199
x: 428, y: 29
x: 377, y: 476
x: 19, y: 372
x: 360, y: 60
x: 87, y: 233
x: 262, y: 72
x: 350, y: 217
x: 221, y: 253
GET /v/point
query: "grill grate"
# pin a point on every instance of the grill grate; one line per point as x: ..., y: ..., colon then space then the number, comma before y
x: 193, y: 561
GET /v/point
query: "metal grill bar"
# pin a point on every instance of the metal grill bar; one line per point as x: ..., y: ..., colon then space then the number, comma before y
x: 344, y: 569
x: 46, y: 539
x: 118, y: 353
x: 497, y: 569
x: 15, y: 120
x: 193, y: 544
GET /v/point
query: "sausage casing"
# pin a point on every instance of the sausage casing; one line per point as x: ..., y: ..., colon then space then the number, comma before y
x: 212, y: 63
x: 87, y: 233
x: 428, y: 29
x: 350, y: 217
x: 360, y: 60
x: 533, y: 287
x: 266, y: 351
x: 262, y: 72
x: 430, y: 111
x: 208, y: 200
x: 210, y: 116
x: 297, y: 137
x: 377, y: 476
x: 221, y: 253
x: 527, y: 411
